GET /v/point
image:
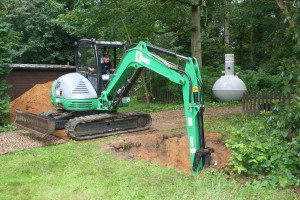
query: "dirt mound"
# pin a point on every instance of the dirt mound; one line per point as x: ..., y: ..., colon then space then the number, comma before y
x: 167, y: 149
x: 36, y: 100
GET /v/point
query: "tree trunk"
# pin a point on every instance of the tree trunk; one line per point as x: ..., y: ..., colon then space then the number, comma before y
x: 226, y: 26
x: 146, y: 89
x: 196, y: 33
x: 252, y: 44
x: 240, y: 50
x: 251, y: 38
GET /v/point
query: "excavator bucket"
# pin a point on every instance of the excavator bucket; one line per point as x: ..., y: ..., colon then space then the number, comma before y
x: 33, y: 122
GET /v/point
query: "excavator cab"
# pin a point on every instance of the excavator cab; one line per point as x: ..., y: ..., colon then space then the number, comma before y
x: 88, y: 54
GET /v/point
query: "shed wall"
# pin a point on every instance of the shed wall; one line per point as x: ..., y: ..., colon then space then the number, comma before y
x: 23, y: 80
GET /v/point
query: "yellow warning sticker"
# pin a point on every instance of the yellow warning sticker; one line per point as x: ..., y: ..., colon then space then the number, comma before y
x: 195, y: 88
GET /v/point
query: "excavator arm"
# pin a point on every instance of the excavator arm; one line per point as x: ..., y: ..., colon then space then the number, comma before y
x: 192, y: 88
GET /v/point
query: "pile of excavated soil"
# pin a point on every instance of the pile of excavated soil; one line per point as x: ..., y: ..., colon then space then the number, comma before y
x: 167, y: 149
x: 36, y: 100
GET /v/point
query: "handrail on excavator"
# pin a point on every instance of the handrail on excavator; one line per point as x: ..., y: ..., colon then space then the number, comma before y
x: 166, y: 51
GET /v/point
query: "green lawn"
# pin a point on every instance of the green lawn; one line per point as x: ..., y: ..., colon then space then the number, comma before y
x: 78, y: 170
x: 222, y: 124
x: 156, y: 106
x: 84, y: 171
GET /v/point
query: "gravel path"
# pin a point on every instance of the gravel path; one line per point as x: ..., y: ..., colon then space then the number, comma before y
x: 20, y: 140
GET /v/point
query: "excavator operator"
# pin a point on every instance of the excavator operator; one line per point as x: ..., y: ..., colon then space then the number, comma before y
x: 104, y: 64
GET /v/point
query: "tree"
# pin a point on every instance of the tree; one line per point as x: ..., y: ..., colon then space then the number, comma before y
x: 196, y: 30
x: 42, y: 39
x: 258, y: 30
x: 258, y: 36
x: 195, y: 20
x: 291, y: 10
x: 226, y: 24
x: 6, y: 40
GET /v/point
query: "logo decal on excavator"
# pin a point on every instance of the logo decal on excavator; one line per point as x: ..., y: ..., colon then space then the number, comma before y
x: 139, y: 58
x: 57, y: 85
x: 195, y: 88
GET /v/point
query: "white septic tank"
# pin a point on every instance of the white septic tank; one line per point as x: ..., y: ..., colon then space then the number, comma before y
x: 229, y: 87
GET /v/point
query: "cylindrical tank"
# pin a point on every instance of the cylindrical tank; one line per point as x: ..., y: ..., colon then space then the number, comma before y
x: 229, y: 87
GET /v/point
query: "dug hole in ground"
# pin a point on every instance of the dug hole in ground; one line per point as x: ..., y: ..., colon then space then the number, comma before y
x: 165, y: 143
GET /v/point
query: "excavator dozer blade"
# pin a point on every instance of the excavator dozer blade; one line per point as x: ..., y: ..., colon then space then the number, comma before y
x: 33, y: 122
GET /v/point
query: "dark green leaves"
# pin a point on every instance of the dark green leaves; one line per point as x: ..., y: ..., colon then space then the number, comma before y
x: 268, y: 158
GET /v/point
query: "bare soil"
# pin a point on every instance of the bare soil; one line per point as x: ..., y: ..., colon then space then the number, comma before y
x: 36, y: 100
x: 167, y: 149
x: 166, y: 142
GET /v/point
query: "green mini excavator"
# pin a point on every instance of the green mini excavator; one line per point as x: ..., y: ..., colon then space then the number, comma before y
x: 88, y: 102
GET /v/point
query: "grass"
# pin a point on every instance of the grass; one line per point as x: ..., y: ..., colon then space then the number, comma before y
x: 82, y: 170
x: 222, y: 124
x: 8, y: 127
x: 156, y: 106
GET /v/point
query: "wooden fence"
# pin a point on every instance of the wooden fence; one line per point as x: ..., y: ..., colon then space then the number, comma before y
x: 257, y: 102
x: 166, y: 97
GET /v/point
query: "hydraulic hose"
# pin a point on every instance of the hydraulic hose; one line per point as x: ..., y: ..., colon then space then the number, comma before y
x: 201, y: 94
x: 200, y: 116
x: 190, y: 81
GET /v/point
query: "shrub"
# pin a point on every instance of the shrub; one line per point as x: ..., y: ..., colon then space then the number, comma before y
x: 286, y: 121
x: 271, y: 153
x: 7, y: 127
x: 6, y: 36
x: 255, y: 81
x: 4, y: 98
x: 259, y: 80
x: 270, y: 159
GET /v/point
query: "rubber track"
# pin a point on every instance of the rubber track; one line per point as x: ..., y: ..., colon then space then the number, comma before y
x: 74, y: 123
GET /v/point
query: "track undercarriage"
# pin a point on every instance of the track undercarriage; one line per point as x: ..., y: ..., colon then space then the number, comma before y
x: 84, y: 125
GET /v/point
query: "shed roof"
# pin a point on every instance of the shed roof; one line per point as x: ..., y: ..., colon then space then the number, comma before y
x: 41, y: 66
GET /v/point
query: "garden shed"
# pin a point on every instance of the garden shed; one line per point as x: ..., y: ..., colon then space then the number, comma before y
x: 25, y: 76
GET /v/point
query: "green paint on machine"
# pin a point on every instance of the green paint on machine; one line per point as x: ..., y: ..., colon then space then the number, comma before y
x: 189, y: 78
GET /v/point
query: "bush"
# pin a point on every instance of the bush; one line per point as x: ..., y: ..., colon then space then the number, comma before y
x: 210, y: 75
x: 255, y: 81
x: 271, y: 153
x: 261, y: 80
x: 4, y: 98
x: 286, y: 121
x: 6, y: 36
x: 270, y: 159
x: 7, y: 127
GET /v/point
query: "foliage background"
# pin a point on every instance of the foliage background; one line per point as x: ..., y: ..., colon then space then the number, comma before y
x: 47, y: 31
x: 264, y: 36
x: 6, y: 40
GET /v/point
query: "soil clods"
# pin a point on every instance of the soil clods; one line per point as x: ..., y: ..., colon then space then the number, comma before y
x: 167, y: 149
